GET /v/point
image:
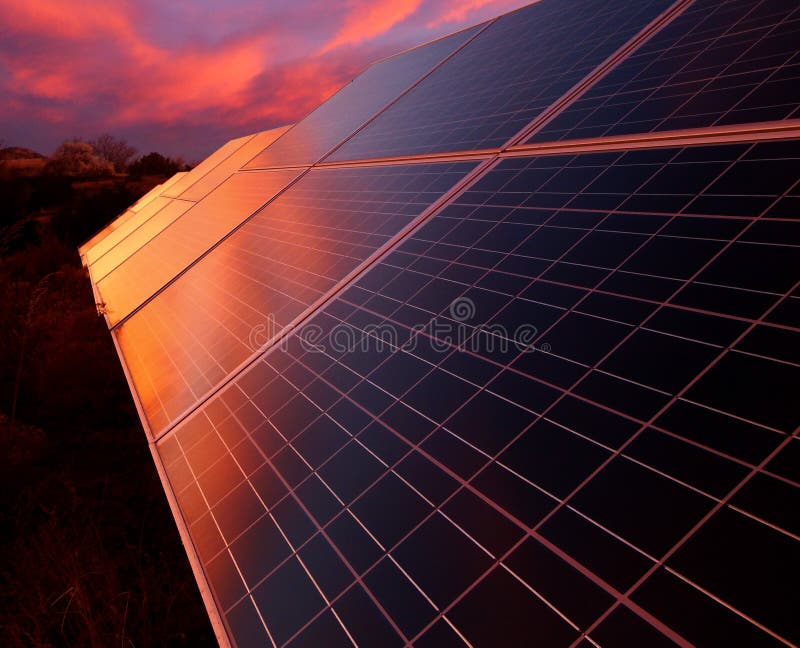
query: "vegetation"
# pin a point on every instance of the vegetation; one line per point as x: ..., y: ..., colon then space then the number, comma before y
x: 90, y: 553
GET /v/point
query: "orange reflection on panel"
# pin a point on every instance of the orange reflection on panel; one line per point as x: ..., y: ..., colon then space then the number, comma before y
x: 126, y: 228
x: 205, y: 166
x: 173, y: 249
x: 129, y: 213
x: 231, y: 164
x: 139, y: 237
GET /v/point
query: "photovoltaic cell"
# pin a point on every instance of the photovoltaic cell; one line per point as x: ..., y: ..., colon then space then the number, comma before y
x: 550, y: 400
x: 522, y: 412
x: 504, y: 78
x: 184, y: 240
x: 129, y: 213
x: 125, y: 227
x: 139, y: 236
x: 114, y: 224
x: 255, y: 283
x: 235, y: 161
x: 718, y: 63
x: 218, y: 156
x: 355, y: 103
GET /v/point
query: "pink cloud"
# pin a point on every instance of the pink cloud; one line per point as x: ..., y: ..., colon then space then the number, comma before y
x: 366, y: 21
x: 85, y: 67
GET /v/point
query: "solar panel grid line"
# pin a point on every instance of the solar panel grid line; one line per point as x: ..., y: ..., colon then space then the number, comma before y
x: 630, y: 417
x: 125, y: 227
x: 218, y: 625
x: 727, y: 605
x: 456, y: 476
x: 356, y: 575
x: 641, y: 299
x: 698, y: 21
x: 722, y: 502
x: 213, y: 603
x: 512, y: 110
x: 231, y: 164
x: 137, y: 238
x: 758, y: 470
x: 206, y: 166
x: 787, y: 129
x: 214, y: 245
x: 351, y: 276
x: 742, y: 54
x: 483, y: 27
x: 558, y: 106
x: 289, y: 158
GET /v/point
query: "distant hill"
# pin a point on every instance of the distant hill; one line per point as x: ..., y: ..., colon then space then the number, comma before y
x: 19, y: 153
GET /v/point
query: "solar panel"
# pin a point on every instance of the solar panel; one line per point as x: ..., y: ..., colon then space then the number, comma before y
x: 519, y: 414
x: 719, y: 63
x: 218, y: 156
x: 505, y: 77
x: 508, y: 396
x: 231, y: 164
x: 128, y: 214
x: 125, y: 227
x: 174, y: 248
x: 259, y: 280
x: 344, y: 112
x: 124, y: 216
x: 139, y: 236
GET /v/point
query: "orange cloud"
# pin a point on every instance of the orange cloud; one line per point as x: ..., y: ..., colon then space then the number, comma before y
x: 459, y: 10
x: 168, y: 71
x: 364, y: 23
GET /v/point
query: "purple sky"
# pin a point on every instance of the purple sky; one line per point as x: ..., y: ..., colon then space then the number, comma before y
x: 182, y: 77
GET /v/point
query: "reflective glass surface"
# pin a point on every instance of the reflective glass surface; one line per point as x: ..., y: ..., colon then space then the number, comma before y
x: 344, y: 112
x: 183, y: 241
x: 223, y: 152
x: 255, y: 283
x: 231, y: 164
x: 523, y: 412
x: 503, y: 79
x: 125, y: 226
x: 718, y: 63
x: 139, y: 236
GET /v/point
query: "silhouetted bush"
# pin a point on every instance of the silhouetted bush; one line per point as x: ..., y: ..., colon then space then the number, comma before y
x: 89, y: 209
x: 77, y: 159
x: 90, y: 553
x: 155, y: 164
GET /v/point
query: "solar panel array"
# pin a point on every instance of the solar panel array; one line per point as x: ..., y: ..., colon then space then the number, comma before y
x: 515, y: 364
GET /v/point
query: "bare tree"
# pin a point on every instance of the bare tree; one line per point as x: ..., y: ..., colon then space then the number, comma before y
x: 115, y: 150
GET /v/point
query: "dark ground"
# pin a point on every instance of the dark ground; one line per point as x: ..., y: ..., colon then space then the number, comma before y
x: 89, y: 552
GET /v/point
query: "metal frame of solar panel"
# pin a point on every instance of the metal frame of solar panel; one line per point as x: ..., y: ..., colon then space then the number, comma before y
x: 549, y: 399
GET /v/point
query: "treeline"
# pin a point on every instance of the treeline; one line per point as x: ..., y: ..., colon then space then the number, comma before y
x: 80, y: 187
x: 90, y: 553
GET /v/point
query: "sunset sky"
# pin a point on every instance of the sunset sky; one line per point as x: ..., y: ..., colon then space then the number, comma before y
x: 182, y: 77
